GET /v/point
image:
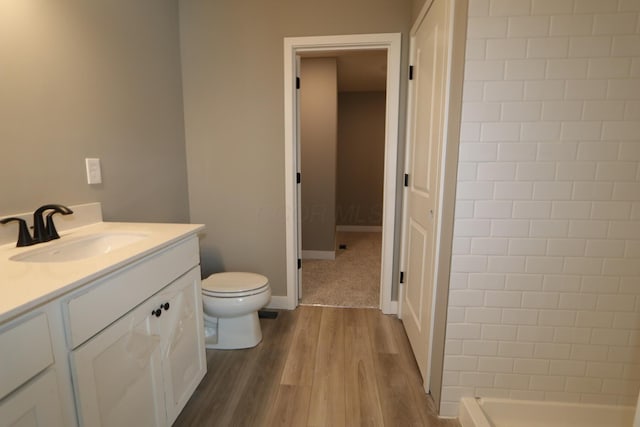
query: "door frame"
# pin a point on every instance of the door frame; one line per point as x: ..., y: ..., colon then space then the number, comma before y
x: 391, y: 42
x: 456, y: 38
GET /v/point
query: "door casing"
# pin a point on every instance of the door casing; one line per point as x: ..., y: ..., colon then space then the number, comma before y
x: 391, y: 42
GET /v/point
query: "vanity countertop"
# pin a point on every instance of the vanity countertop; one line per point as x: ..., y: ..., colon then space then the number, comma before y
x: 25, y: 285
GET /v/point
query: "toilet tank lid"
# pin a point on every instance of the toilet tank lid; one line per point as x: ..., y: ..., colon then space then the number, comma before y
x: 234, y: 282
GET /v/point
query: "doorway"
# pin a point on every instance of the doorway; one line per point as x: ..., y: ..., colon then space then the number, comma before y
x: 293, y: 49
x: 342, y: 141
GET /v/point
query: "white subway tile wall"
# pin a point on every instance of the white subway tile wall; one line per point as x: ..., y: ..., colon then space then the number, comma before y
x: 545, y: 290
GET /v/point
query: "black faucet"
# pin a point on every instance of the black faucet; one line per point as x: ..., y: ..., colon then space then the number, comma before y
x: 24, y: 237
x: 42, y: 233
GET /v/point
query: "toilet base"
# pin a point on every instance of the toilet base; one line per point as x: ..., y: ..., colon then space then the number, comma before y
x: 235, y: 333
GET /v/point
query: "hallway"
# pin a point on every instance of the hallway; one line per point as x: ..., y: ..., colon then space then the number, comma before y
x: 352, y: 279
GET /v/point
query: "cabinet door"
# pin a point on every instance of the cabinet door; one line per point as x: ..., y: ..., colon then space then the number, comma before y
x: 118, y: 375
x: 37, y: 403
x: 182, y: 340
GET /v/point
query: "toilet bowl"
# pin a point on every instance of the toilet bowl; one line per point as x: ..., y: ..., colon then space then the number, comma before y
x: 231, y: 302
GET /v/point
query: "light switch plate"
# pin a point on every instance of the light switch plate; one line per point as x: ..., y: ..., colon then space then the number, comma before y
x: 94, y: 174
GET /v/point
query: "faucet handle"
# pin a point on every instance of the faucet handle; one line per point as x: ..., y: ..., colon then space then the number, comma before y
x: 24, y: 237
x: 41, y: 233
x: 50, y: 228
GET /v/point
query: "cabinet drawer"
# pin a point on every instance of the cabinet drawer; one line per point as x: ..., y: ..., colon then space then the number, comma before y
x: 111, y: 297
x: 37, y: 403
x: 25, y: 351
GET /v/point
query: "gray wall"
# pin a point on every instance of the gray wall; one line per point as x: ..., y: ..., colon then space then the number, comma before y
x: 416, y: 7
x: 361, y: 131
x: 232, y: 56
x: 318, y: 151
x: 96, y: 78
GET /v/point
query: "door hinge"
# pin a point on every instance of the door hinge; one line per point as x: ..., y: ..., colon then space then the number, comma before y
x: 410, y: 72
x: 297, y: 82
x: 298, y: 178
x: 402, y: 277
x: 299, y: 263
x: 406, y: 179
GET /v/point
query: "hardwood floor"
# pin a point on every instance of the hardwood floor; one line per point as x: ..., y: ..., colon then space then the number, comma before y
x: 316, y: 366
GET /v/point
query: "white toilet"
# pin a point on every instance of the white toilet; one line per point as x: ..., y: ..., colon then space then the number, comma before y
x: 231, y: 303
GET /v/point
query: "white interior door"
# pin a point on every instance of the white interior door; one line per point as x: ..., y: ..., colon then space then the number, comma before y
x: 424, y: 152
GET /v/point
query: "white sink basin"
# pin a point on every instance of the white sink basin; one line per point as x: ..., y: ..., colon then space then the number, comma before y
x: 80, y: 248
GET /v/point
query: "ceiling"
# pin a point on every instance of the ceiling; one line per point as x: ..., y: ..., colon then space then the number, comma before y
x: 358, y: 70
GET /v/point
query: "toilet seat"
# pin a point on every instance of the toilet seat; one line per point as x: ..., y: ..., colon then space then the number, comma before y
x: 234, y: 284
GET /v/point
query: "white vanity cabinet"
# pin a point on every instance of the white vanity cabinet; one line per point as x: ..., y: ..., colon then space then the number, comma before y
x: 118, y: 374
x: 37, y: 403
x: 180, y: 328
x: 110, y: 337
x: 29, y: 392
x: 141, y: 369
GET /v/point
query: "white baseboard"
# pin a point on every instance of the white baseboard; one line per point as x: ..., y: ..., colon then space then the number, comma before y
x: 279, y: 303
x: 359, y: 228
x: 319, y: 255
x: 391, y: 308
x: 282, y: 303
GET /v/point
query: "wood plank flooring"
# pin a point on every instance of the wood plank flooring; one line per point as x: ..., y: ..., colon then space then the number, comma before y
x: 316, y: 366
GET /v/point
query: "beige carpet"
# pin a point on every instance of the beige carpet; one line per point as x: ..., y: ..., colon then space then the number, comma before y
x: 352, y: 280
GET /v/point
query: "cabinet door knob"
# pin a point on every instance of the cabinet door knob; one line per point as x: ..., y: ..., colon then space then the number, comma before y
x: 157, y: 312
x: 166, y: 306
